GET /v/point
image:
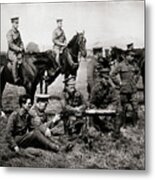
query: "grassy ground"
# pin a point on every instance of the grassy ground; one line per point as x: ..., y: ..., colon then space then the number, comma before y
x: 128, y: 152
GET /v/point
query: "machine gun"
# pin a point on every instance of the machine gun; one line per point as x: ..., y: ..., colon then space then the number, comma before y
x: 100, y: 112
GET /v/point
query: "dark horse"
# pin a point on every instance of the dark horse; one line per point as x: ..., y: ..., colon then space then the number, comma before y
x: 76, y: 44
x: 34, y: 65
x: 31, y: 71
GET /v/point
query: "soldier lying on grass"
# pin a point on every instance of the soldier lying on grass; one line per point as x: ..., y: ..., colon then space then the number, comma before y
x: 19, y: 133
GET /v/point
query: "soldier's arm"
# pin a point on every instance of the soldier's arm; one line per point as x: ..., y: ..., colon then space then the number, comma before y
x: 84, y: 104
x: 11, y: 44
x: 10, y: 129
x: 137, y: 73
x: 21, y: 42
x: 66, y: 107
x: 114, y: 74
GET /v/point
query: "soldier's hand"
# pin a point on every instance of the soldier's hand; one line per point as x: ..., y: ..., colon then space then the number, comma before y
x: 16, y: 148
x: 56, y: 118
x: 48, y: 132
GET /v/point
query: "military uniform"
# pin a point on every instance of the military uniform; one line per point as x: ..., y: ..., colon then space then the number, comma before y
x: 74, y: 117
x: 38, y: 119
x: 59, y: 40
x: 15, y: 47
x: 97, y: 69
x: 127, y: 85
x: 104, y: 96
x: 18, y: 133
x: 73, y: 107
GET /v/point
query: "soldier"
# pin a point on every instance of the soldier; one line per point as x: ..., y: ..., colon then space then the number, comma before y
x: 104, y: 96
x: 39, y: 117
x: 128, y: 73
x: 74, y: 106
x: 59, y: 40
x: 98, y: 68
x: 18, y: 134
x: 15, y: 48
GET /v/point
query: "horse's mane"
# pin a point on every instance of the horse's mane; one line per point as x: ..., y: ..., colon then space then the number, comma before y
x: 72, y: 41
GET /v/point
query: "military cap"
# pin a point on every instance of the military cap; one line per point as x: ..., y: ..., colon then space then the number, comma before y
x: 69, y: 81
x: 14, y: 19
x: 130, y: 46
x: 97, y: 50
x: 59, y: 20
x: 43, y: 96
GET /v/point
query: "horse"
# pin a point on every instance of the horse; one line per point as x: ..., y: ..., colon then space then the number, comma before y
x: 30, y: 71
x: 34, y: 65
x: 75, y: 46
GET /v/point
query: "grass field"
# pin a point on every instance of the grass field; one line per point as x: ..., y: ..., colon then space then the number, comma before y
x: 128, y: 152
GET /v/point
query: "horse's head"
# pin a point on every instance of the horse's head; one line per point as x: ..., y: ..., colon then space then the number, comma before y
x: 78, y: 44
x: 81, y: 40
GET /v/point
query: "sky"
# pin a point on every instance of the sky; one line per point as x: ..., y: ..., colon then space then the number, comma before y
x: 105, y: 23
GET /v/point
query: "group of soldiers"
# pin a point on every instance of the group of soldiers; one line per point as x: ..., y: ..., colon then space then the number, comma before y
x: 16, y: 46
x: 113, y: 88
x: 33, y: 127
x: 30, y: 126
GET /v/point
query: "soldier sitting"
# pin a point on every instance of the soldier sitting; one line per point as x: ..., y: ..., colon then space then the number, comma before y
x: 104, y: 96
x: 19, y: 133
x: 74, y: 106
x: 15, y: 48
x: 98, y: 68
x: 39, y: 117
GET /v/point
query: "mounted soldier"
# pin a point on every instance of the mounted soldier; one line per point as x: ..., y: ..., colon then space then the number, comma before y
x: 60, y: 42
x: 15, y: 48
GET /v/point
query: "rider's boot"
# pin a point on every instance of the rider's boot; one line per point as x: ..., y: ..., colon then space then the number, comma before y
x: 15, y: 73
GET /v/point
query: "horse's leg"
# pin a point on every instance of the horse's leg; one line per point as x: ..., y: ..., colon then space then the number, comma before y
x: 31, y: 91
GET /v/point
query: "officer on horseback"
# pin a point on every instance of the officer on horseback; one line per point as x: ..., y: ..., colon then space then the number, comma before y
x: 59, y: 40
x: 15, y: 47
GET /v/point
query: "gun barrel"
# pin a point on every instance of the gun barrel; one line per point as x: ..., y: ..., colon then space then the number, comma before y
x: 103, y: 112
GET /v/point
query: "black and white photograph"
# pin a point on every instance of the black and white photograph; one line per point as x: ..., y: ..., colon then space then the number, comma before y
x: 72, y: 85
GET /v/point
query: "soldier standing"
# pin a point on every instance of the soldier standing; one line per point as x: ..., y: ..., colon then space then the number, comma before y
x: 74, y: 106
x: 15, y: 47
x: 128, y: 73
